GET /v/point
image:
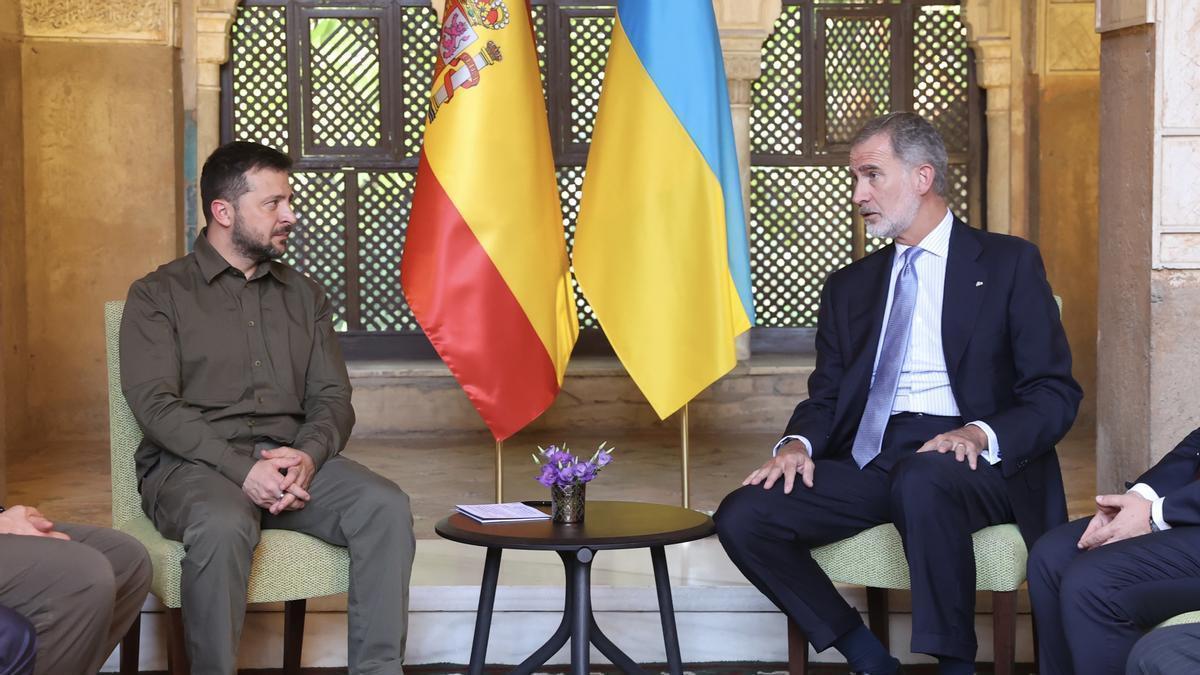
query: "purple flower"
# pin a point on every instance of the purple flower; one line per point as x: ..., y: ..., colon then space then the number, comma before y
x: 560, y: 467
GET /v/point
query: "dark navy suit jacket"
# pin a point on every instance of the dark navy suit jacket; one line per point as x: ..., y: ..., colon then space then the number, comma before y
x: 1006, y: 356
x: 1174, y: 477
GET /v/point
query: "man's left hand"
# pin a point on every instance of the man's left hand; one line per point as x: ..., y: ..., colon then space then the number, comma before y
x: 1132, y: 519
x: 296, y: 479
x: 967, y: 443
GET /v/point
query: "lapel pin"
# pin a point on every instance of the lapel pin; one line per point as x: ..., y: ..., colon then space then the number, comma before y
x: 978, y: 284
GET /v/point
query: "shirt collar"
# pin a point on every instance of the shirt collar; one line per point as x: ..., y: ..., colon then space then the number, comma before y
x: 936, y: 242
x: 212, y: 263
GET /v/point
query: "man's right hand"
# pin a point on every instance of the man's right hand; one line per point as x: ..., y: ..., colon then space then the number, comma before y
x: 28, y: 521
x: 790, y: 460
x: 264, y: 483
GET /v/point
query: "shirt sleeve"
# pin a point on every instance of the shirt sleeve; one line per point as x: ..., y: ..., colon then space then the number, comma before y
x: 788, y: 439
x: 1156, y: 504
x: 992, y: 453
x: 151, y: 382
x: 328, y: 412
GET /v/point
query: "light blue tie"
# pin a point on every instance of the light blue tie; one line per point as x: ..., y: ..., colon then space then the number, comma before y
x: 891, y: 358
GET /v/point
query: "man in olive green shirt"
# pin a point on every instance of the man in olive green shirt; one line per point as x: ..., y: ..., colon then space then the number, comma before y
x: 231, y: 366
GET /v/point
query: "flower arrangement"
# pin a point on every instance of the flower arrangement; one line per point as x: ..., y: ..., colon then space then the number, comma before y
x: 560, y: 467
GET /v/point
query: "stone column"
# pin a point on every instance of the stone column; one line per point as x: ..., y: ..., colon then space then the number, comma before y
x: 1149, y: 290
x: 744, y: 25
x: 995, y: 30
x: 205, y: 49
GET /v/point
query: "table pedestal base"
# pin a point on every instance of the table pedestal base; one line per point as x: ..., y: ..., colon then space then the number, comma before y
x: 578, y: 623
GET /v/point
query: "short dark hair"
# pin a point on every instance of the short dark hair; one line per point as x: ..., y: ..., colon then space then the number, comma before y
x: 914, y: 140
x: 224, y: 173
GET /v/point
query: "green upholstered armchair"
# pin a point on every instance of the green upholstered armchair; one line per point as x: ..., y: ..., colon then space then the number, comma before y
x: 288, y: 567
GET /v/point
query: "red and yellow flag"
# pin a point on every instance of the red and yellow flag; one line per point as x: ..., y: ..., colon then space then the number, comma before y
x: 485, y: 262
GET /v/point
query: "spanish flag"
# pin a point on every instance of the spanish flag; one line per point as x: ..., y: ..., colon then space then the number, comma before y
x: 485, y: 264
x: 660, y: 243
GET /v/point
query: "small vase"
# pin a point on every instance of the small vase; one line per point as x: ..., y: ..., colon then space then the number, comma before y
x: 566, y: 502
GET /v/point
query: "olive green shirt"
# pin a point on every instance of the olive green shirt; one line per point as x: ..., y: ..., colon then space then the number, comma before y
x: 213, y: 363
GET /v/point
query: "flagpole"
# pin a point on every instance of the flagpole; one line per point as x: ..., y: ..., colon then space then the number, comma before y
x: 499, y: 472
x: 684, y: 470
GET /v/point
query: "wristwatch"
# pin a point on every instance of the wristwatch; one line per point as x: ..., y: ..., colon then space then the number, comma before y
x: 1153, y: 525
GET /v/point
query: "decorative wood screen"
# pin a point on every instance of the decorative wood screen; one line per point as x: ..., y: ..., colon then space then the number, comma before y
x: 341, y: 85
x: 828, y: 68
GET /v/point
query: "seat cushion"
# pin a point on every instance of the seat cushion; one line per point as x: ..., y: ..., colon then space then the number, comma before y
x: 875, y: 557
x: 1179, y: 619
x: 287, y: 565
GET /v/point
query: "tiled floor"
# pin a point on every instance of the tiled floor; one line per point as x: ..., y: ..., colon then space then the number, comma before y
x: 70, y: 481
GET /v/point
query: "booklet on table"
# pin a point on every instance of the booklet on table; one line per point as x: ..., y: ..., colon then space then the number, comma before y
x: 502, y: 513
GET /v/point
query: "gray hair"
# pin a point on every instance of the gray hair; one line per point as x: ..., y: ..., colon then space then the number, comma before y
x: 914, y: 140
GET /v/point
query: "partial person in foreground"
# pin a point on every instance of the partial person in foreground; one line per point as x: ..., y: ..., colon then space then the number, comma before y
x: 1097, y: 584
x: 942, y: 383
x: 1174, y: 650
x: 231, y: 366
x: 68, y: 593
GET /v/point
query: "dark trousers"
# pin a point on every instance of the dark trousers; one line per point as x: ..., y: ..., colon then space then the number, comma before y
x: 219, y: 526
x: 936, y: 503
x: 1166, y: 651
x: 80, y: 595
x: 1092, y: 606
x: 18, y: 643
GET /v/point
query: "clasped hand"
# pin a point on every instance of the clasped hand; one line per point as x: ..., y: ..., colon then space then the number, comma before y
x: 279, y: 481
x: 28, y: 521
x: 1117, y: 517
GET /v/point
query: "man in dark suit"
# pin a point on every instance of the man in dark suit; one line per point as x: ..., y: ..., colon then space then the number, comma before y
x: 942, y: 382
x: 1098, y: 583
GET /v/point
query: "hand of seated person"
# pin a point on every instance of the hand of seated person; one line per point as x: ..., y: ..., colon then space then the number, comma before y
x: 1117, y: 517
x: 26, y: 520
x: 268, y: 486
x: 965, y: 442
x: 790, y: 460
x: 296, y: 479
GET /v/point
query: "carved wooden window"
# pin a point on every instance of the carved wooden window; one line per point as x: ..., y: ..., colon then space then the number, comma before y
x: 341, y: 87
x: 828, y: 67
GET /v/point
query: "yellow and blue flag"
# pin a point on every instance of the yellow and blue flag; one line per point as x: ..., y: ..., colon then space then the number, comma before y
x: 660, y: 244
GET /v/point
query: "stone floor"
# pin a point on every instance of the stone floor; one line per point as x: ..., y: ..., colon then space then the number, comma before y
x: 70, y: 480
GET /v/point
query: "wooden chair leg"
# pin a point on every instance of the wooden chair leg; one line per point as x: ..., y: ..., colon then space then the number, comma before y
x: 877, y: 614
x: 797, y: 650
x: 1004, y: 631
x: 177, y: 659
x: 1037, y: 654
x: 293, y: 635
x: 130, y: 646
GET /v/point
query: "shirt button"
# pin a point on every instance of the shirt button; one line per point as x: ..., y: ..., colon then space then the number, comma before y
x: 251, y: 324
x: 260, y: 400
x: 257, y: 363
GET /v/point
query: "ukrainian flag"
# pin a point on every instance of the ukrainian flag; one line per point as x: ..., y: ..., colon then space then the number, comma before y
x: 660, y: 247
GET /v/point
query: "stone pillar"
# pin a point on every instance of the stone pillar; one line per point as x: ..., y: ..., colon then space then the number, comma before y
x: 1149, y: 290
x: 744, y: 25
x: 205, y: 49
x: 996, y: 31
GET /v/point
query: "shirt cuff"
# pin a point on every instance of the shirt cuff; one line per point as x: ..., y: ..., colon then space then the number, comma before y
x: 1146, y: 491
x: 992, y: 453
x: 1156, y: 513
x: 787, y: 439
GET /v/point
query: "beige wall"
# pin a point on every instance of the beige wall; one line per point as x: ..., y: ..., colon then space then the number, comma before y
x: 12, y: 237
x: 101, y: 209
x: 1126, y: 199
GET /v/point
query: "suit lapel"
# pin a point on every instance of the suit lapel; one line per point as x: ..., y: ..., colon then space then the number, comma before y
x: 963, y: 295
x: 868, y: 301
